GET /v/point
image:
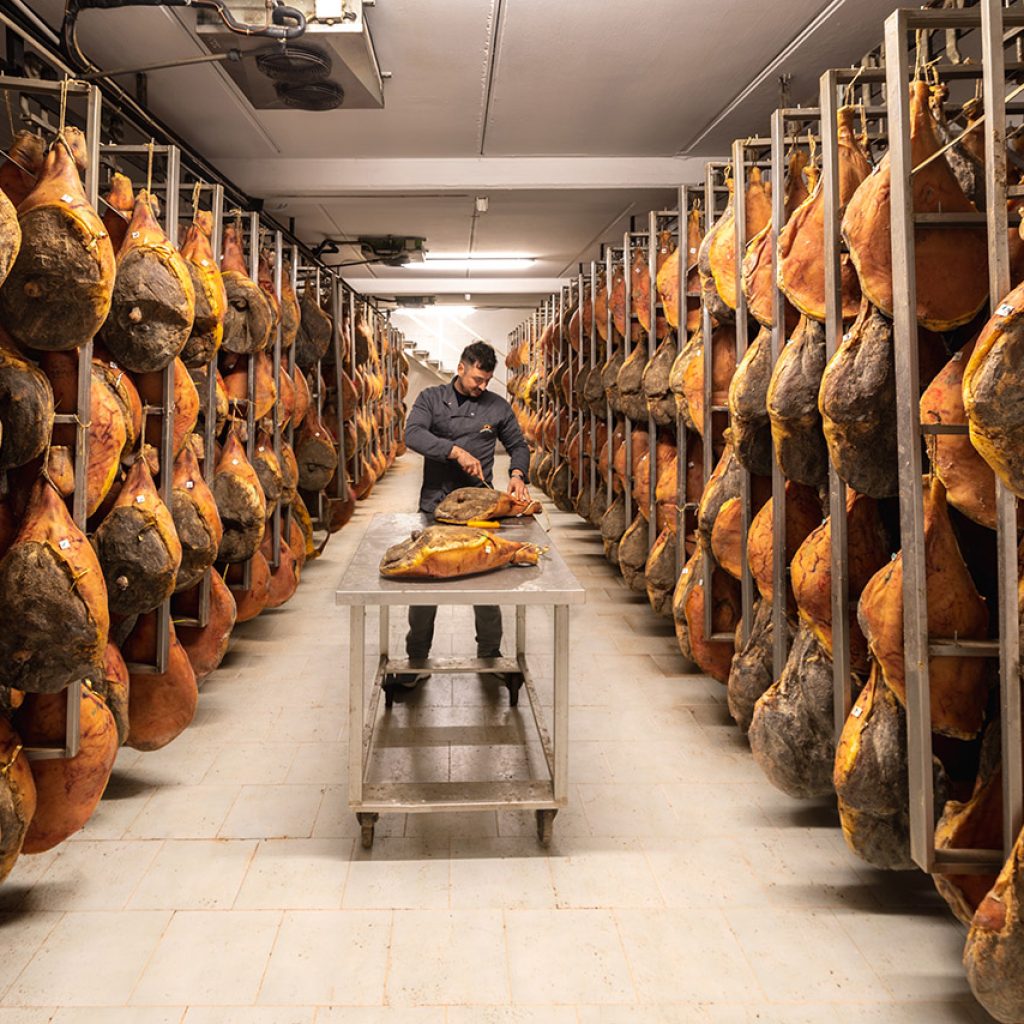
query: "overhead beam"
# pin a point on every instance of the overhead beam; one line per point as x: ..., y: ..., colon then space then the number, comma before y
x: 324, y: 178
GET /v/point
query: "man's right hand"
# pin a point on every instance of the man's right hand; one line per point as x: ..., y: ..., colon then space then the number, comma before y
x: 467, y: 462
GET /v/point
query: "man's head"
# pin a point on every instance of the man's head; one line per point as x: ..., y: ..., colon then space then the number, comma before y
x: 476, y: 368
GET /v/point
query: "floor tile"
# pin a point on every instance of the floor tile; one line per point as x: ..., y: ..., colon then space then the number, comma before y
x: 252, y: 764
x: 194, y: 874
x: 300, y: 874
x: 430, y: 950
x: 273, y: 812
x: 250, y: 1015
x: 93, y: 875
x: 801, y: 954
x: 21, y: 936
x: 504, y: 872
x: 566, y: 956
x: 382, y: 1015
x: 322, y: 763
x: 209, y: 958
x: 602, y: 873
x: 117, y: 1015
x: 91, y: 958
x: 187, y: 812
x: 681, y: 956
x: 399, y: 874
x: 327, y: 957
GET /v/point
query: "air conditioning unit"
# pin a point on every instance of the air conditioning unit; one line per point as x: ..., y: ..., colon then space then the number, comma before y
x: 394, y: 250
x: 333, y: 64
x: 414, y: 301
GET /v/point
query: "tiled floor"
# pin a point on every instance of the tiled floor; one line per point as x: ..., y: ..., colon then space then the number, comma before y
x: 221, y: 881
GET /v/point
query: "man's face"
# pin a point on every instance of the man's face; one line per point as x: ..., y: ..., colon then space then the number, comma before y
x: 474, y: 381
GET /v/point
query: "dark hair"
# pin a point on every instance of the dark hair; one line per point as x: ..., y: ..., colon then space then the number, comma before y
x: 481, y: 355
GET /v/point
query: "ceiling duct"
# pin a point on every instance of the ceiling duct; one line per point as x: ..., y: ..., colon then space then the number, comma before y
x: 334, y: 65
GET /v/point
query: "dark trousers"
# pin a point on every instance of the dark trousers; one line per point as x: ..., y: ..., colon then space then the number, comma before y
x: 421, y: 630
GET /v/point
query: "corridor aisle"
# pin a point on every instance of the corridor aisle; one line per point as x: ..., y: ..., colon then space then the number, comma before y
x: 220, y: 881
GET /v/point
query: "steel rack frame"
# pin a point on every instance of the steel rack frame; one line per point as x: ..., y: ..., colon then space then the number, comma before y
x: 631, y: 241
x: 591, y: 341
x: 783, y: 119
x: 991, y: 18
x: 714, y: 172
x: 612, y: 256
x: 654, y: 219
x: 689, y: 196
x: 581, y: 484
x: 165, y: 408
x: 208, y: 401
x: 80, y: 418
x: 747, y: 154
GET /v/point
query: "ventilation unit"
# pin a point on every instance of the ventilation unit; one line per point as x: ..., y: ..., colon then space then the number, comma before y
x: 332, y: 65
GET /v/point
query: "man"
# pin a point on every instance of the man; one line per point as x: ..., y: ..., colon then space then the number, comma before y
x: 454, y: 427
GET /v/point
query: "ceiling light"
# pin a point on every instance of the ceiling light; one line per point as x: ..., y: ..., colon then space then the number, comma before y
x: 481, y: 204
x: 476, y: 263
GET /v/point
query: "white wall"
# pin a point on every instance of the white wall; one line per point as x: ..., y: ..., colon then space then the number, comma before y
x: 445, y: 331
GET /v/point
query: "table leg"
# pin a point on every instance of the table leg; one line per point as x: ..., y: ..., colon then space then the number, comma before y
x: 356, y: 702
x: 385, y: 630
x: 560, y: 780
x: 520, y: 630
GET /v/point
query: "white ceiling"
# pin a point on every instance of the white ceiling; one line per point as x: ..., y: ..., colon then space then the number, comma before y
x: 534, y: 103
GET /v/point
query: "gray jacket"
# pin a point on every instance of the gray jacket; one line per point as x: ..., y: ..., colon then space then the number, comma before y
x: 437, y: 423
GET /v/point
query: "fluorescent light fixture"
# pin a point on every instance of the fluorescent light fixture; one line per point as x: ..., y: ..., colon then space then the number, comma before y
x: 438, y: 262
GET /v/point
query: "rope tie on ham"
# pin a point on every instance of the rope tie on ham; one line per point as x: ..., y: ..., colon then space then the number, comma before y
x: 6, y: 766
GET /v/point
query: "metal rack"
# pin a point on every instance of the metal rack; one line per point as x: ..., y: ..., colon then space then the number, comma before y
x: 715, y: 174
x: 631, y: 241
x: 82, y: 415
x: 689, y: 196
x: 783, y: 119
x: 747, y: 154
x: 992, y: 19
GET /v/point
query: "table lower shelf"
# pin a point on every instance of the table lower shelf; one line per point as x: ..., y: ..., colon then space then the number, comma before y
x: 418, y: 797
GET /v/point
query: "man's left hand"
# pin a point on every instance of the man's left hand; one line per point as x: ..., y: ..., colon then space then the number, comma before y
x: 517, y: 488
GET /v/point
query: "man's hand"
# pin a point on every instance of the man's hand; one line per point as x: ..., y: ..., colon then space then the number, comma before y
x: 517, y: 488
x: 467, y: 462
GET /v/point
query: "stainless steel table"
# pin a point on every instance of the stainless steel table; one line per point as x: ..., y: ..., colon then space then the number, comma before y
x: 548, y: 585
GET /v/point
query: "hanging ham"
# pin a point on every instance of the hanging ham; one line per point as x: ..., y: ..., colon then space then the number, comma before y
x: 58, y: 292
x: 26, y: 408
x: 802, y: 240
x: 211, y: 295
x: 196, y: 520
x: 248, y: 319
x: 118, y: 213
x: 951, y: 263
x: 207, y: 645
x: 758, y: 280
x: 138, y: 546
x: 154, y: 301
x: 721, y: 255
x: 993, y: 392
x: 749, y: 431
x: 161, y: 704
x: 791, y: 403
x: 52, y: 599
x: 67, y: 789
x: 17, y: 796
x: 315, y: 329
x: 240, y: 502
x: 958, y: 685
x: 870, y: 778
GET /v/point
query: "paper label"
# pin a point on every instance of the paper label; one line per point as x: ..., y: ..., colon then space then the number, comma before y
x: 1005, y: 309
x: 135, y: 234
x: 857, y: 711
x: 64, y: 544
x: 140, y: 498
x: 234, y: 462
x: 67, y: 199
x: 189, y: 485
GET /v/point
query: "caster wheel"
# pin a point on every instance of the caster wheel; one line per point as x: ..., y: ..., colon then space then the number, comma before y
x: 367, y: 823
x: 513, y: 694
x: 389, y: 697
x: 545, y: 826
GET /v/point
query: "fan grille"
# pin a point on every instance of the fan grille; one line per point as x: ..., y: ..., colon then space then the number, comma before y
x: 295, y: 65
x: 311, y: 95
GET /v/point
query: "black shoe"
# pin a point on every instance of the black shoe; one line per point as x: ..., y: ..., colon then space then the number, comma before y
x: 406, y: 680
x: 488, y: 654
